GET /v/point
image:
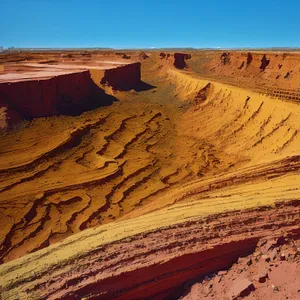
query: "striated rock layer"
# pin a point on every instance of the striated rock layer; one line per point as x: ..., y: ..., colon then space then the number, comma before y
x: 128, y: 261
x: 123, y: 78
x: 149, y: 150
x: 69, y: 93
x: 272, y: 73
x: 270, y: 272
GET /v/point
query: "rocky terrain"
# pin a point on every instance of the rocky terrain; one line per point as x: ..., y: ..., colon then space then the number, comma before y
x: 176, y: 177
x: 271, y: 271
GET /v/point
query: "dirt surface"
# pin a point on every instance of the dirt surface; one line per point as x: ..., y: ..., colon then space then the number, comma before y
x: 270, y: 272
x: 171, y: 182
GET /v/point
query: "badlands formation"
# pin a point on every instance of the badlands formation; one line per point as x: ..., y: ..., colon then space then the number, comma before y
x: 149, y: 175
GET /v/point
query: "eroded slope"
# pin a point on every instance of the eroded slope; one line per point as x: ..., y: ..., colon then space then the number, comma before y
x: 187, y: 168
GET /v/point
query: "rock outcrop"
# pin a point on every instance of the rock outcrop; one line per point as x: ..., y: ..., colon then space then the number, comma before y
x: 68, y: 94
x: 225, y: 58
x: 125, y: 56
x: 272, y: 73
x: 179, y: 60
x: 143, y: 55
x: 123, y: 78
x: 254, y: 277
x: 64, y: 94
x: 264, y: 63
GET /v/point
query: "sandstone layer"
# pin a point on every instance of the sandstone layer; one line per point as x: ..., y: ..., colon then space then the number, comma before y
x: 127, y: 260
x: 50, y: 90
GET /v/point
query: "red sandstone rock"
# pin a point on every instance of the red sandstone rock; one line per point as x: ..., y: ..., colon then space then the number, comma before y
x: 46, y: 97
x: 8, y: 115
x: 241, y: 288
x: 143, y: 55
x: 268, y: 246
x: 265, y: 258
x: 262, y: 277
x: 275, y: 288
x: 273, y: 280
x: 225, y: 58
x: 125, y: 56
x: 123, y: 78
x: 282, y: 256
x: 273, y: 254
x: 68, y: 93
x: 291, y: 253
x: 221, y: 273
x: 280, y: 241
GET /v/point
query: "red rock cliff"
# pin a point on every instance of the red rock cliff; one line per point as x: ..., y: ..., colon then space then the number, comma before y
x: 69, y: 94
x: 124, y: 78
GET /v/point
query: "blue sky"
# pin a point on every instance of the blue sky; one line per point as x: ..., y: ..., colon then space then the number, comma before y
x: 150, y: 23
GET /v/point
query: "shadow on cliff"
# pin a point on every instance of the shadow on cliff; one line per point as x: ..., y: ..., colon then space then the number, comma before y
x: 180, y: 60
x: 126, y: 78
x: 68, y: 94
x: 143, y: 86
x: 124, y: 86
x: 96, y: 98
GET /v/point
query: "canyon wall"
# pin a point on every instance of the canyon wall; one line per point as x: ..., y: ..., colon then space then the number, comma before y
x: 67, y: 94
x: 273, y: 73
x: 272, y: 65
x: 123, y: 78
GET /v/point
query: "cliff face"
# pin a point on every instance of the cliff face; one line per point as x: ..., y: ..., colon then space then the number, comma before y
x: 8, y: 115
x: 69, y: 94
x: 273, y: 73
x: 123, y: 78
x: 247, y: 62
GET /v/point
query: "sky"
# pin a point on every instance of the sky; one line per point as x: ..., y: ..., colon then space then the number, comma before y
x: 149, y: 23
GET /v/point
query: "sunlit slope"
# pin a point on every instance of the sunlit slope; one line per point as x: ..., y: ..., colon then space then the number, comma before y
x: 188, y: 139
x: 156, y: 251
x: 250, y: 140
x: 245, y: 125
